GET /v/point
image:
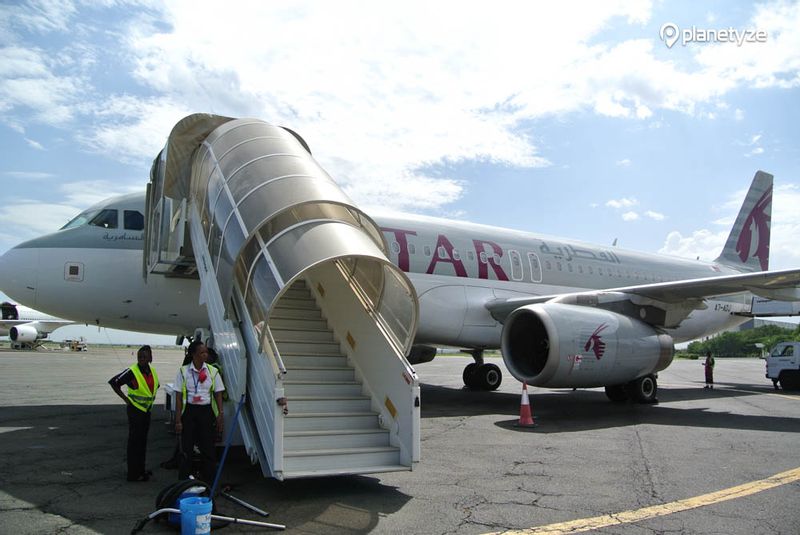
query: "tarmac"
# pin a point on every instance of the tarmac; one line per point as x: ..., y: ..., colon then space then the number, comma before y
x: 701, y: 461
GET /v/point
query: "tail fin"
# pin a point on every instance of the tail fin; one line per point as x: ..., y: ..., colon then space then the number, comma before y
x: 747, y: 248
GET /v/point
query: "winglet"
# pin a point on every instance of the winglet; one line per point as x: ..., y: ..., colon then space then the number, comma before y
x: 747, y: 248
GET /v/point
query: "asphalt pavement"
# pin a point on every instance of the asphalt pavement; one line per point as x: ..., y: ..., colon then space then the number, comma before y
x: 699, y: 462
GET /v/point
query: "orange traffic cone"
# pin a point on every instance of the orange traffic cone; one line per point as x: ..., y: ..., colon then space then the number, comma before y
x: 525, y: 416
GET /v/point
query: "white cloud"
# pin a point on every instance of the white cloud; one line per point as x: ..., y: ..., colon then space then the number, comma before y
x: 738, y: 114
x: 630, y: 216
x: 785, y: 227
x: 702, y: 244
x: 386, y: 93
x: 624, y: 202
x: 34, y: 144
x: 657, y: 216
x: 625, y: 162
x: 28, y: 175
x: 17, y: 220
x: 28, y: 81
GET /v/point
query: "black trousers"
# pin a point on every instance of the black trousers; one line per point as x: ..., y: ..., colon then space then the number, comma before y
x: 138, y: 426
x: 198, y: 428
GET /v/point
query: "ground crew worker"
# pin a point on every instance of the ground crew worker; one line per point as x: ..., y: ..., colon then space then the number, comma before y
x: 199, y: 411
x: 142, y: 382
x: 709, y: 365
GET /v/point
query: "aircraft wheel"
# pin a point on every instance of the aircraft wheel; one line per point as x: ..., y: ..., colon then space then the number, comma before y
x: 469, y: 376
x: 617, y: 393
x: 490, y: 376
x: 643, y: 389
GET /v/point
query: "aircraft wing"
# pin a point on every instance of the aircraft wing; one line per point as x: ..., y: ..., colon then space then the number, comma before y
x: 679, y: 295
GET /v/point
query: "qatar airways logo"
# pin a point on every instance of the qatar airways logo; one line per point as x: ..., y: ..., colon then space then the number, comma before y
x: 756, y: 229
x: 595, y: 342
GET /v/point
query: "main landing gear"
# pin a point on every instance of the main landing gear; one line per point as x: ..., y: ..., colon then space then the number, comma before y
x: 641, y: 390
x: 479, y: 375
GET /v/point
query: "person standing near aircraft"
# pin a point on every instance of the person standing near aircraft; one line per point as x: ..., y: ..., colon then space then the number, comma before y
x: 142, y: 382
x: 199, y: 411
x: 709, y: 366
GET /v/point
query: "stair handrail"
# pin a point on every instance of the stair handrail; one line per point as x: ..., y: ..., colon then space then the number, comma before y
x: 273, y: 352
x: 373, y: 313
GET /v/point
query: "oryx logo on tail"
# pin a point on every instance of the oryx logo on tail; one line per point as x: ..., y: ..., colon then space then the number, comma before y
x: 595, y: 343
x: 756, y: 226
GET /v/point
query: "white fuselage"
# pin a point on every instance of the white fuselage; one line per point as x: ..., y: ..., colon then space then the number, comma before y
x: 456, y: 268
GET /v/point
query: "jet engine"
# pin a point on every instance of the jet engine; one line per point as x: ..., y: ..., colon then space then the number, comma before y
x: 24, y: 333
x: 420, y: 354
x: 559, y: 345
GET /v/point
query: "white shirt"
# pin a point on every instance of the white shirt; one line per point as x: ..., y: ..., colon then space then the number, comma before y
x: 197, y: 391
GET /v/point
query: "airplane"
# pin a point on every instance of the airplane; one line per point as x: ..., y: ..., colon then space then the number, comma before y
x: 26, y: 327
x: 564, y: 313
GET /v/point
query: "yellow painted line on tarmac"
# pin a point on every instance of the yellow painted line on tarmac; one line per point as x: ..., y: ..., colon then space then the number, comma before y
x: 646, y: 513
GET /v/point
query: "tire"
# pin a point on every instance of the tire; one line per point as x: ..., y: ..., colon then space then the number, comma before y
x: 468, y: 375
x: 617, y: 393
x: 489, y: 376
x: 643, y: 390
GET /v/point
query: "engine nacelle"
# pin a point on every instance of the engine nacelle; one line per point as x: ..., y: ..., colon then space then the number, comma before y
x: 420, y: 354
x: 557, y: 345
x: 24, y: 333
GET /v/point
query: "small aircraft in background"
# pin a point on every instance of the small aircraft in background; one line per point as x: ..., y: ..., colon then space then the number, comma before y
x: 26, y: 327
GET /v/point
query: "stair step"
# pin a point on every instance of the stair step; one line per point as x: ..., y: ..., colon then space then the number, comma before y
x: 295, y: 313
x: 340, y: 458
x: 345, y: 438
x: 310, y: 347
x: 329, y: 422
x: 321, y: 373
x: 298, y: 324
x: 286, y: 303
x: 339, y: 472
x: 301, y: 335
x: 329, y: 404
x: 298, y: 293
x: 314, y: 361
x: 321, y: 388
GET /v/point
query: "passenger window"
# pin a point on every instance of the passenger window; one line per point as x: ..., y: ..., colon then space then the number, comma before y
x: 427, y: 250
x: 456, y: 255
x: 412, y: 248
x: 547, y: 265
x: 106, y: 219
x: 441, y: 252
x: 470, y: 255
x: 395, y: 247
x: 482, y: 256
x: 134, y: 220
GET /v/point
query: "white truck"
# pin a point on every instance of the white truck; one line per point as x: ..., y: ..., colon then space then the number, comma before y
x: 783, y: 365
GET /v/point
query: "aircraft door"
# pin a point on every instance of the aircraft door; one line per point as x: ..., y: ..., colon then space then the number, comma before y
x: 516, y: 265
x: 536, y: 267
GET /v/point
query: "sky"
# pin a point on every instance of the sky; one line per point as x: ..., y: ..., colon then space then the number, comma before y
x: 574, y: 119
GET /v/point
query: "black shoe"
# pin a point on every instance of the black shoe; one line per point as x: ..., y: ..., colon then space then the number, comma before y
x: 141, y: 477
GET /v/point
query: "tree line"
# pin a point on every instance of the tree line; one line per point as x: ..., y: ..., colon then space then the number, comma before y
x: 743, y: 343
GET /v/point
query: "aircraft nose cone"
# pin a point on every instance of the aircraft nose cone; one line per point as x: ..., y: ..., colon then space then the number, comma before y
x: 19, y: 268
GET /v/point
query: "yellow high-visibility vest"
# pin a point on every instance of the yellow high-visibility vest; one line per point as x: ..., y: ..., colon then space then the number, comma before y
x: 141, y: 397
x: 213, y: 372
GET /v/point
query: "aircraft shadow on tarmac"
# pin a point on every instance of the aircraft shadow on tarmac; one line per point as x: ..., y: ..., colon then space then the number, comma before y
x: 69, y: 461
x: 568, y: 411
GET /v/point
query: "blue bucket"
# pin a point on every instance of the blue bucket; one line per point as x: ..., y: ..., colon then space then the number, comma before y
x: 195, y: 515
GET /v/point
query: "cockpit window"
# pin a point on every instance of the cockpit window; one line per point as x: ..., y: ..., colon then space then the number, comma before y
x: 80, y: 219
x: 105, y: 218
x: 134, y: 220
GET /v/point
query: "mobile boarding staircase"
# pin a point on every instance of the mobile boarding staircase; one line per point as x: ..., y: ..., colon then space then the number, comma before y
x: 310, y: 319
